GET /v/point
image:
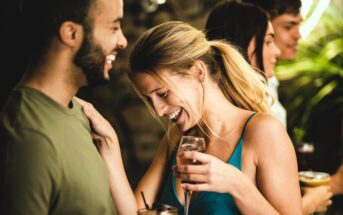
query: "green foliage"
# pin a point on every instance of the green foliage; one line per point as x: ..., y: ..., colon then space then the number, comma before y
x: 314, y: 82
x: 298, y: 135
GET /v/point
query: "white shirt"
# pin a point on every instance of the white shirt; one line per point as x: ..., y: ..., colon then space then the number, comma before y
x: 277, y: 109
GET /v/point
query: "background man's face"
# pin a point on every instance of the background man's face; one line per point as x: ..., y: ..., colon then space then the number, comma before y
x: 287, y: 34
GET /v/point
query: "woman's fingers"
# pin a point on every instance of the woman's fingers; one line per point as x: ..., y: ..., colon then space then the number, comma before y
x: 194, y: 155
x: 199, y: 178
x: 196, y: 187
x: 324, y: 207
x: 89, y: 110
x: 99, y: 124
x: 80, y: 101
x: 198, y: 169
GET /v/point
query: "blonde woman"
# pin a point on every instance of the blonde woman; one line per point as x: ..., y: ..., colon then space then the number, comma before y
x: 256, y: 43
x: 206, y: 88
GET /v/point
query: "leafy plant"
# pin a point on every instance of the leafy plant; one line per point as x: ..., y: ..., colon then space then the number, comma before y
x: 298, y: 135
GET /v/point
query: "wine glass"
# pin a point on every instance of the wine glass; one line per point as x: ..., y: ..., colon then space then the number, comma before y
x: 189, y: 143
x: 304, y: 155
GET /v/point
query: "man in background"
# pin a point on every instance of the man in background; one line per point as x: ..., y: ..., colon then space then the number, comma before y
x: 48, y: 162
x: 286, y: 20
x: 285, y: 17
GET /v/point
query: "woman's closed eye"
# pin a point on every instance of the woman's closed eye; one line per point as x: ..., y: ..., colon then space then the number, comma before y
x: 269, y: 39
x: 163, y: 94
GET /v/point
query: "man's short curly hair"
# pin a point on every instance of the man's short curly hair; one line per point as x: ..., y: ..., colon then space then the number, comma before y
x: 277, y: 8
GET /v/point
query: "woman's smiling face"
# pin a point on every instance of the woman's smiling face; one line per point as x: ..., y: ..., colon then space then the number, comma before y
x: 180, y: 100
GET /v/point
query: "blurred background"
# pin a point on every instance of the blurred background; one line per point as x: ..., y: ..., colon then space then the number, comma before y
x: 311, y: 87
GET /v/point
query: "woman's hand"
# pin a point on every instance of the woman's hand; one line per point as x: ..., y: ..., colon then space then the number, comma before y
x: 104, y: 136
x: 211, y: 174
x: 336, y: 182
x: 106, y: 140
x: 316, y: 199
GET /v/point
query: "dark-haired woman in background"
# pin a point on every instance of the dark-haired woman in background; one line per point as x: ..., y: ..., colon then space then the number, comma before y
x: 250, y: 30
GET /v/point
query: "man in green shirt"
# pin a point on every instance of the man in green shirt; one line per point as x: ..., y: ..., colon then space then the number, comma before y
x: 48, y: 162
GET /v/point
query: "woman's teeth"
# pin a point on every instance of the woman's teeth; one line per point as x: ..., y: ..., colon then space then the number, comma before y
x: 175, y: 114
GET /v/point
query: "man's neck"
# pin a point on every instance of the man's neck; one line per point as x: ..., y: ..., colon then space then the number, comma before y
x: 53, y: 80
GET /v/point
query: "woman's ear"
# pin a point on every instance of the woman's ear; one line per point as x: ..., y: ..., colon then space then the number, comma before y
x: 200, y: 69
x: 71, y: 34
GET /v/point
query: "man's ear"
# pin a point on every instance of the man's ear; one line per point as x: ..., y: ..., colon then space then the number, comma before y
x: 71, y: 34
x: 200, y: 69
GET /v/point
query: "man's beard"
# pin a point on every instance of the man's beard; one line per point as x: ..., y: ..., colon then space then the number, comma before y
x: 91, y: 58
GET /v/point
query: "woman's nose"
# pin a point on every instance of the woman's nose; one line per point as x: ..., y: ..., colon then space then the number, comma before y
x: 160, y: 108
x: 277, y: 51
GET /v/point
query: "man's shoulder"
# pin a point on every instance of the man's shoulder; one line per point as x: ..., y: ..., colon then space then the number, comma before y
x: 21, y: 120
x: 33, y: 109
x: 22, y: 135
x: 20, y: 110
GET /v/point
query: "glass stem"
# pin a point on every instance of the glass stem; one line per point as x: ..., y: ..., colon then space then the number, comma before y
x: 188, y: 195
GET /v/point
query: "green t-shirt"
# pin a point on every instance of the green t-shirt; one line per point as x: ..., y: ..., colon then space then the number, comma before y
x: 48, y: 162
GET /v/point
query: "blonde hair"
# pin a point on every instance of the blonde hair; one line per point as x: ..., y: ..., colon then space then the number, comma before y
x: 176, y: 45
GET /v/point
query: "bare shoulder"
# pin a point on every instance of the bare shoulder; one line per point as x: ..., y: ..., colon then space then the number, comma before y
x: 266, y: 134
x: 262, y: 122
x: 275, y: 167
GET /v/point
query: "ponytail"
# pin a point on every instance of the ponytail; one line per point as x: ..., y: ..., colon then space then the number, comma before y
x: 176, y: 45
x: 240, y: 83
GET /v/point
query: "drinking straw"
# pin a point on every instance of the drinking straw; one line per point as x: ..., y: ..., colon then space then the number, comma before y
x: 146, y: 205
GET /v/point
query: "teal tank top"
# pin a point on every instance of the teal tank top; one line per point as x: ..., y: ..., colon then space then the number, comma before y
x: 204, y: 203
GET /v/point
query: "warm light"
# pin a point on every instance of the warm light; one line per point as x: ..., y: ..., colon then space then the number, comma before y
x: 305, y: 7
x: 161, y: 1
x: 311, y: 21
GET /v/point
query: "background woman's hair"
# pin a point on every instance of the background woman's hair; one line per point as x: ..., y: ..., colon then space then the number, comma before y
x: 239, y: 23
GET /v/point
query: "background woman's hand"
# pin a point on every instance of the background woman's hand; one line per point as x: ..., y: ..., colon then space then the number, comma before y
x: 211, y: 174
x: 336, y: 183
x: 316, y: 199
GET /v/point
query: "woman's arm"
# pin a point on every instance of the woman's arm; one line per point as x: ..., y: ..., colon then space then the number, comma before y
x: 275, y: 187
x: 276, y: 173
x: 109, y: 149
